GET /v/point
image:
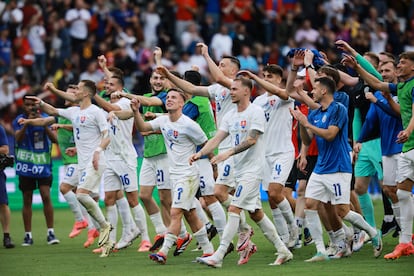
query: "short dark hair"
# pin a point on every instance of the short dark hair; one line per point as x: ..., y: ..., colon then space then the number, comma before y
x: 331, y: 72
x: 245, y: 82
x: 407, y: 55
x: 116, y: 71
x: 193, y: 76
x: 179, y: 91
x: 389, y: 55
x: 328, y: 83
x: 90, y: 87
x: 374, y: 57
x: 233, y: 59
x: 119, y: 78
x: 388, y: 61
x: 72, y: 86
x: 273, y: 69
x: 176, y: 73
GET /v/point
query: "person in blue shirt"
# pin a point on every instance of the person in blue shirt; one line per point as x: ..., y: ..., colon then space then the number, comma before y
x: 34, y: 167
x: 382, y: 121
x: 4, y: 202
x: 331, y: 177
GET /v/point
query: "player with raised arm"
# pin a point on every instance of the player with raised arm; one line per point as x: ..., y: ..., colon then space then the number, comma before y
x: 280, y: 153
x: 219, y: 92
x: 404, y: 90
x: 90, y: 130
x: 121, y: 175
x: 70, y: 160
x: 244, y: 124
x: 181, y: 136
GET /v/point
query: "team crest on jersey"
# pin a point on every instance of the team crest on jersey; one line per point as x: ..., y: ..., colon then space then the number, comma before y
x: 173, y: 133
x: 272, y: 102
x: 243, y: 124
x: 223, y: 94
x: 324, y: 119
x: 82, y: 119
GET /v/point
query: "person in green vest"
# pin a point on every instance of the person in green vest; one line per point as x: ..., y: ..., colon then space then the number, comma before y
x: 155, y: 166
x: 405, y: 177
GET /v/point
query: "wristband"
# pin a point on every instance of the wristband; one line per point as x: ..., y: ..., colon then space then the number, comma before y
x: 310, y: 66
x: 41, y: 103
x: 99, y: 149
x: 293, y: 69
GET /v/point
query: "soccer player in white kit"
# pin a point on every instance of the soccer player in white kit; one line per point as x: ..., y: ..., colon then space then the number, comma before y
x: 244, y: 124
x: 120, y: 175
x: 280, y: 153
x: 90, y: 130
x: 181, y: 135
x: 219, y: 92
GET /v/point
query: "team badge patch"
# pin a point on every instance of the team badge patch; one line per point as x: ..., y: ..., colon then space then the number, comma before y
x: 243, y: 124
x: 82, y: 119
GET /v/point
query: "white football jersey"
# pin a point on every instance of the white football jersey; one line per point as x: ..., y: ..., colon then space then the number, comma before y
x: 221, y: 95
x: 181, y: 138
x: 121, y: 146
x: 87, y: 127
x: 278, y: 132
x: 238, y: 125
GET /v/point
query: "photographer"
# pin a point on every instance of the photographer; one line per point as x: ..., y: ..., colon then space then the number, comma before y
x: 34, y: 167
x: 4, y: 202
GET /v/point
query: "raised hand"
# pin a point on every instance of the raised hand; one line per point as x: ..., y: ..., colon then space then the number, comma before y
x: 135, y: 104
x: 349, y: 61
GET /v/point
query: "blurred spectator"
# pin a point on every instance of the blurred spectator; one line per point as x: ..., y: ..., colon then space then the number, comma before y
x: 184, y: 63
x: 144, y: 61
x: 88, y: 52
x: 185, y: 14
x: 243, y: 11
x: 286, y: 28
x: 23, y: 52
x: 12, y: 16
x: 208, y: 29
x: 228, y: 17
x: 247, y: 61
x: 124, y: 15
x: 395, y: 39
x: 23, y: 89
x: 127, y: 65
x: 37, y: 37
x: 190, y: 37
x: 7, y: 86
x: 306, y: 36
x: 60, y: 45
x: 78, y: 19
x: 29, y: 9
x: 126, y: 39
x: 241, y: 37
x: 212, y: 15
x: 151, y: 20
x: 101, y: 22
x: 5, y: 50
x: 378, y: 38
x: 334, y: 9
x: 200, y: 62
x: 361, y: 43
x: 221, y: 43
x: 65, y: 76
x: 92, y: 73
